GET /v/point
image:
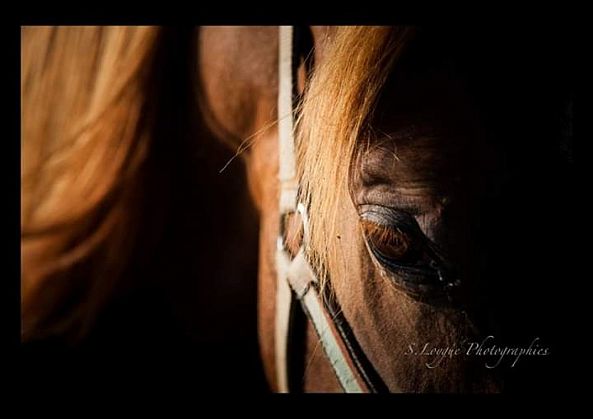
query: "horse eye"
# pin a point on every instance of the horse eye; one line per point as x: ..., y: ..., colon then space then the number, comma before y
x: 391, y: 242
x: 398, y: 244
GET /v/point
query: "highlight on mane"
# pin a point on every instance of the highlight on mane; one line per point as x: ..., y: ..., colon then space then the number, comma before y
x: 336, y: 112
x: 83, y: 143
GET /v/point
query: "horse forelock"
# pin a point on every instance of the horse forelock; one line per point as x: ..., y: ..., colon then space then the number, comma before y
x: 334, y: 117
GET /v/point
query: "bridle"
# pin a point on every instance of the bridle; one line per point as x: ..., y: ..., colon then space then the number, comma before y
x: 296, y: 280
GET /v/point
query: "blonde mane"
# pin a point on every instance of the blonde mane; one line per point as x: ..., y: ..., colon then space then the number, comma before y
x: 84, y: 140
x: 335, y: 115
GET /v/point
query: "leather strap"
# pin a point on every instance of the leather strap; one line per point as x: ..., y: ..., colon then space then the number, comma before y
x: 296, y: 281
x: 302, y: 282
x: 288, y: 193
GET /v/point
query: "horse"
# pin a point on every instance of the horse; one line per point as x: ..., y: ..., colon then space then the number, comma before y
x: 420, y: 162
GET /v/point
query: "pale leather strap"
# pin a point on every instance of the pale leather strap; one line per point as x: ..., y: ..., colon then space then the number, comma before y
x: 287, y: 169
x: 303, y: 282
x: 295, y: 278
x: 287, y: 201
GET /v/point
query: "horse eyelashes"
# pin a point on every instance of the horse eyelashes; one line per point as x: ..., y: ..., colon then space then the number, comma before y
x: 398, y: 245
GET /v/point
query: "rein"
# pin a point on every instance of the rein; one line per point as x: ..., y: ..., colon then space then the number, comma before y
x: 297, y: 288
